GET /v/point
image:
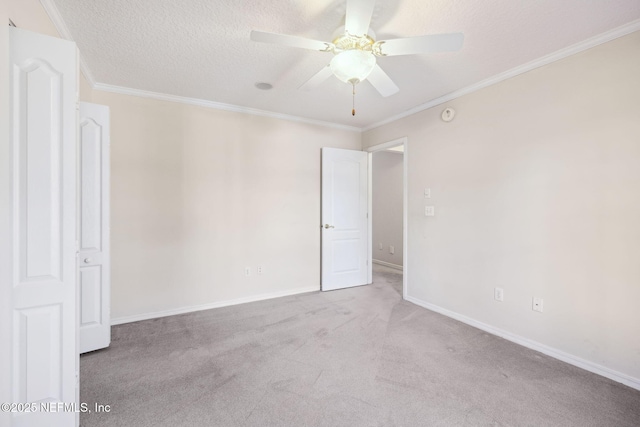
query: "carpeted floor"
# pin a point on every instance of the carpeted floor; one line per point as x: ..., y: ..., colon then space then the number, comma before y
x: 354, y: 357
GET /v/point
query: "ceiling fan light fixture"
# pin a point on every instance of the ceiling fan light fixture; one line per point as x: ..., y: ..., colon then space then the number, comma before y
x: 353, y: 66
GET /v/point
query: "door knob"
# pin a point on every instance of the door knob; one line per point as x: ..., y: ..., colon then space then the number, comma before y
x: 328, y: 226
x: 87, y: 260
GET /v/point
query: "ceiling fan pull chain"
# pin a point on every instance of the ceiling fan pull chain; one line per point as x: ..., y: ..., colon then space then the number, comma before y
x: 353, y: 104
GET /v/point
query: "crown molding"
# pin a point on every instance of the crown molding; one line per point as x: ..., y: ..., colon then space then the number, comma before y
x: 54, y: 14
x: 607, y: 36
x: 218, y: 106
x: 623, y: 30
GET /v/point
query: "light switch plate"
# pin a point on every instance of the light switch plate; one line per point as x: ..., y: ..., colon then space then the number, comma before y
x: 427, y: 193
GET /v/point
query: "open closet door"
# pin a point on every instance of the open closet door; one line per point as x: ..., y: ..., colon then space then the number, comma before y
x: 344, y: 218
x: 44, y: 340
x: 93, y: 227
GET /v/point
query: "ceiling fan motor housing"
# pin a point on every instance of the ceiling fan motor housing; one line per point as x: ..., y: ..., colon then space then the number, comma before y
x: 355, y: 48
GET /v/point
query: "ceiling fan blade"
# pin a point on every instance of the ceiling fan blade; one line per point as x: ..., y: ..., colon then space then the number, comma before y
x: 422, y: 44
x: 382, y: 82
x: 358, y: 16
x: 318, y: 78
x: 293, y: 41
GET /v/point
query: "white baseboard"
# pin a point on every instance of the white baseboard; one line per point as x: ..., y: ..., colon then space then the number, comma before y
x: 190, y: 309
x: 549, y: 351
x: 387, y: 264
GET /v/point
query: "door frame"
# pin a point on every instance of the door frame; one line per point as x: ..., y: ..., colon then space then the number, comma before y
x: 6, y: 224
x: 404, y: 141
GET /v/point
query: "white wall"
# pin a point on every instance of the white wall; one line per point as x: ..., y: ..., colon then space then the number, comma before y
x: 387, y: 175
x: 197, y: 194
x: 536, y: 185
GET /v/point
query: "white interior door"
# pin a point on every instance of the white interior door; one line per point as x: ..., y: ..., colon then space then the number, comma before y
x: 44, y: 339
x: 344, y: 218
x: 93, y: 227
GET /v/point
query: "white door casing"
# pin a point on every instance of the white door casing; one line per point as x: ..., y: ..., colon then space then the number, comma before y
x: 43, y: 147
x: 6, y: 224
x: 344, y: 218
x: 404, y: 142
x: 93, y: 227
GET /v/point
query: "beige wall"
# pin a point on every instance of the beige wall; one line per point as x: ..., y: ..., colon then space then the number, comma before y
x: 536, y: 185
x: 197, y: 194
x: 30, y: 15
x: 387, y: 176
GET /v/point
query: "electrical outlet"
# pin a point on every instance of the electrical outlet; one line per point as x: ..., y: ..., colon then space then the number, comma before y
x: 498, y: 294
x: 259, y: 269
x: 429, y: 211
x: 537, y: 304
x: 392, y: 250
x: 247, y: 271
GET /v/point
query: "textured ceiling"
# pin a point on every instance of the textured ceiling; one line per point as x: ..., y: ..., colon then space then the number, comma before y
x: 201, y: 48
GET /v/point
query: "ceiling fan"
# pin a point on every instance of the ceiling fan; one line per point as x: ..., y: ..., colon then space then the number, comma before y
x: 355, y: 49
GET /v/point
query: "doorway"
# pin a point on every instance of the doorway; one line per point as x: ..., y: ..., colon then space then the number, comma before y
x: 388, y: 208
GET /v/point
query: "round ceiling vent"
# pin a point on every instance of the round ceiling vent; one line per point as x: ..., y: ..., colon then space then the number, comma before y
x: 264, y: 86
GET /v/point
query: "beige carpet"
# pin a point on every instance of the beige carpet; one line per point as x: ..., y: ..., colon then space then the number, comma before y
x: 355, y: 357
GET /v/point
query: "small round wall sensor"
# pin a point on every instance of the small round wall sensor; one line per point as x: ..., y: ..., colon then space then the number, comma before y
x: 448, y: 114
